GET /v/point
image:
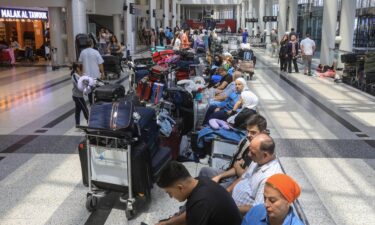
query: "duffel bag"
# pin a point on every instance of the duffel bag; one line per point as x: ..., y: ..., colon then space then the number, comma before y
x: 246, y: 66
x: 109, y: 92
x: 111, y: 115
x: 182, y: 75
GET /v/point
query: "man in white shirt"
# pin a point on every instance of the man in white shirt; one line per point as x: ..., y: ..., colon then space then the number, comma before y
x: 248, y: 189
x: 307, y: 49
x: 92, y: 63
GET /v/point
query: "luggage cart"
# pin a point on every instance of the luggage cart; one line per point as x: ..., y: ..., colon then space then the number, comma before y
x: 109, y: 168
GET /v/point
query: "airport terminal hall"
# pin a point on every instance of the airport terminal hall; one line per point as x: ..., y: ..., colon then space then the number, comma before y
x: 187, y: 112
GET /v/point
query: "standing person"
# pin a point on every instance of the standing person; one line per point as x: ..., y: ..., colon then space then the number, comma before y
x: 176, y: 43
x: 283, y: 53
x: 92, y: 63
x: 108, y: 37
x: 274, y: 42
x: 102, y: 43
x: 207, y: 202
x: 280, y: 192
x: 153, y: 38
x: 161, y: 36
x: 80, y: 104
x: 307, y: 49
x: 185, y: 39
x: 114, y: 48
x: 245, y: 34
x: 293, y: 47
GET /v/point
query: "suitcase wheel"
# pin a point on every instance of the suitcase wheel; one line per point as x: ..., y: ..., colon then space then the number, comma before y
x: 91, y: 202
x: 130, y: 213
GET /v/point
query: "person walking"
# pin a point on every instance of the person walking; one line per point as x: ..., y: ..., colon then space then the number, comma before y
x: 80, y: 104
x: 293, y: 47
x: 283, y: 53
x: 92, y: 63
x: 245, y: 34
x: 307, y: 49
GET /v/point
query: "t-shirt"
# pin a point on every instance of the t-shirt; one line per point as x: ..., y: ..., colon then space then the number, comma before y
x: 211, y: 204
x: 308, y: 45
x: 91, y: 59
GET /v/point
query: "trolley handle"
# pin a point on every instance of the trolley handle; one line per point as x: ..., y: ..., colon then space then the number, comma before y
x: 112, y: 133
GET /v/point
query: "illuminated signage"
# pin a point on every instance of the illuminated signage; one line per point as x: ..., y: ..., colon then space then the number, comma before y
x: 23, y: 14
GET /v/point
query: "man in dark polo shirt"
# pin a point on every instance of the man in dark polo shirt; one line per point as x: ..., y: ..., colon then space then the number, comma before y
x: 207, y: 202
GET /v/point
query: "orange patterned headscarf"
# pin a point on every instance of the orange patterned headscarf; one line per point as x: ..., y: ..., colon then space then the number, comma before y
x: 286, y: 185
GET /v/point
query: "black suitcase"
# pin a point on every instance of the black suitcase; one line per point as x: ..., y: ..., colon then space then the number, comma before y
x: 82, y: 152
x: 112, y: 65
x: 109, y: 93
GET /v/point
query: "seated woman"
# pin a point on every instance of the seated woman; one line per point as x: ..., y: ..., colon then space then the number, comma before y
x: 220, y: 111
x: 225, y: 79
x: 248, y: 103
x: 280, y: 192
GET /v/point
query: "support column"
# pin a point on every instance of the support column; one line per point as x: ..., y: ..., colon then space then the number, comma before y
x: 178, y: 15
x: 281, y: 18
x: 117, y: 26
x: 347, y: 19
x: 238, y: 17
x: 268, y: 24
x: 174, y: 14
x: 262, y: 8
x: 166, y: 13
x: 77, y: 23
x: 250, y: 26
x: 130, y: 30
x: 293, y: 10
x: 243, y: 14
x: 56, y: 28
x: 328, y: 31
x: 152, y: 4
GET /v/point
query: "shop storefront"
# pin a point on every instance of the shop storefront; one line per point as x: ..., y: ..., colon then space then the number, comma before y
x: 27, y: 27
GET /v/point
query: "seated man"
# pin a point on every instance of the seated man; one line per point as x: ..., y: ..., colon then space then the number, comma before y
x: 221, y: 95
x: 248, y: 189
x: 220, y: 111
x: 255, y: 125
x: 207, y: 202
x: 280, y: 192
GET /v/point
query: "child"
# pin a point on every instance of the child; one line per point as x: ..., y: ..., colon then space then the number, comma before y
x: 80, y: 104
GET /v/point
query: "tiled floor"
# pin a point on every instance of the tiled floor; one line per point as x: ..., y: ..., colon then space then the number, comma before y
x: 325, y: 136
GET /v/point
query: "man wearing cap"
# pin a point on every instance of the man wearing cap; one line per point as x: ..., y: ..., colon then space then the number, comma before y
x: 280, y: 192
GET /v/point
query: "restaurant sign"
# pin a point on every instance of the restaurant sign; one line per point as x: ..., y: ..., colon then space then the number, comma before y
x: 23, y: 14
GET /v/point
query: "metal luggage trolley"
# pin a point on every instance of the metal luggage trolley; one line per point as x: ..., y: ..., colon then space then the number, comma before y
x: 109, y: 167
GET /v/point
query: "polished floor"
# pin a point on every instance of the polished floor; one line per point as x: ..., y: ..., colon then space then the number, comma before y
x: 325, y: 136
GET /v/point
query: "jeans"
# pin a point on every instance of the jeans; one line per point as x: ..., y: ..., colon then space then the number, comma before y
x: 294, y: 60
x: 80, y: 106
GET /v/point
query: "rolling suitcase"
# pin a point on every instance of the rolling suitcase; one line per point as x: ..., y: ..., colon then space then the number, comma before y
x: 172, y: 142
x: 111, y: 115
x: 144, y: 90
x: 112, y: 66
x: 157, y: 92
x: 109, y: 92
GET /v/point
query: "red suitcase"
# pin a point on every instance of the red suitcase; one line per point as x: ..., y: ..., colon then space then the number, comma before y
x: 173, y: 141
x: 182, y: 75
x: 144, y: 89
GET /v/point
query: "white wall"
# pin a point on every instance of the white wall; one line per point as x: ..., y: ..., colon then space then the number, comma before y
x: 210, y: 2
x: 33, y: 3
x: 102, y: 7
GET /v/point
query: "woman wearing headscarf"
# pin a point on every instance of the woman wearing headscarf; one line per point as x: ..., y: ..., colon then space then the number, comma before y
x: 280, y: 192
x: 220, y: 110
x: 248, y: 103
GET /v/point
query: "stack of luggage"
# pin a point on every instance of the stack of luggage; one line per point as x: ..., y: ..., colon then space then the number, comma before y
x: 121, y: 150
